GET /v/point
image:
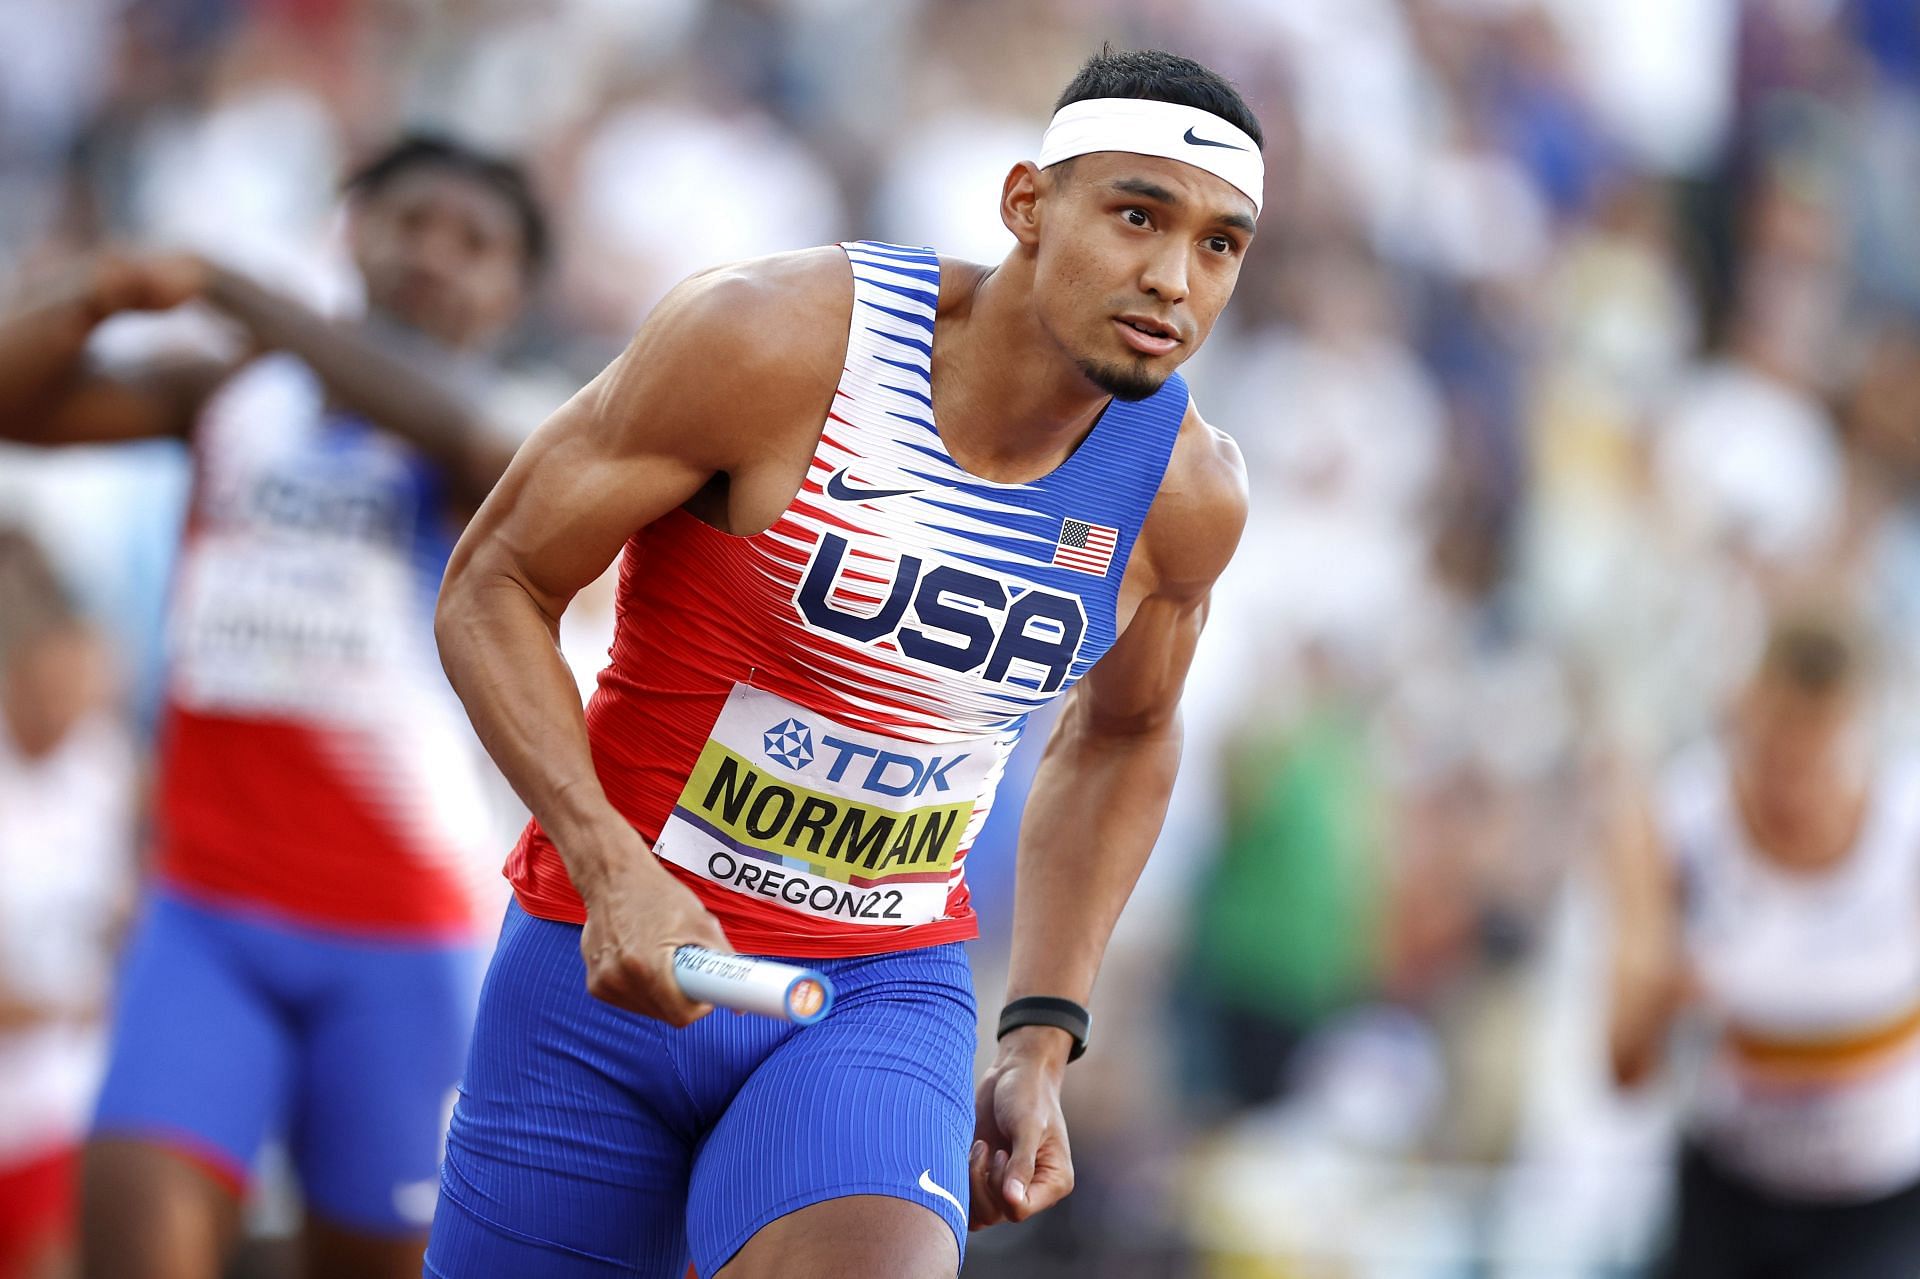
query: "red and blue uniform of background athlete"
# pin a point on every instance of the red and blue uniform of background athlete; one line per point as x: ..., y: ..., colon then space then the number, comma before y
x: 306, y: 962
x: 900, y: 598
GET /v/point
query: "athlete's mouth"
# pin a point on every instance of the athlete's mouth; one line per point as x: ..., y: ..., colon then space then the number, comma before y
x: 1146, y: 335
x: 1150, y: 326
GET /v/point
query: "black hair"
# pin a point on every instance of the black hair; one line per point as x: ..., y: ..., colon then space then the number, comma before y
x: 1815, y: 654
x: 501, y: 176
x: 1161, y: 77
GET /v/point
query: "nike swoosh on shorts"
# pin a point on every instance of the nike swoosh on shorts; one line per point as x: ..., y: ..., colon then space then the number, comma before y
x: 932, y: 1187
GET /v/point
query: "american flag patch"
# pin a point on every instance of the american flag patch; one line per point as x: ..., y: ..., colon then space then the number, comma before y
x: 1085, y: 548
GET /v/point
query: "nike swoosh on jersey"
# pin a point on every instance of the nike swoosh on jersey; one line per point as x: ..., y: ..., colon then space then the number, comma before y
x: 1199, y: 141
x: 840, y: 491
x: 928, y: 1184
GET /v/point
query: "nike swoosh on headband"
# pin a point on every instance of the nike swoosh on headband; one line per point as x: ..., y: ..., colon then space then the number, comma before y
x: 840, y: 491
x: 1198, y: 141
x: 1145, y: 126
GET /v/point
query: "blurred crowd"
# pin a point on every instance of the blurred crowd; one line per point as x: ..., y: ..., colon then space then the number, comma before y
x: 1576, y: 338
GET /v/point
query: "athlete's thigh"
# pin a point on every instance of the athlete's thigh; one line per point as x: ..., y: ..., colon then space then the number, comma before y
x: 148, y: 1212
x: 201, y: 1060
x: 571, y: 1138
x: 854, y: 1237
x: 876, y: 1100
x: 380, y: 1053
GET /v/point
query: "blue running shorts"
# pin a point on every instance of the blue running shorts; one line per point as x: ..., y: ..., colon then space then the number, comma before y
x: 230, y: 1026
x: 590, y: 1141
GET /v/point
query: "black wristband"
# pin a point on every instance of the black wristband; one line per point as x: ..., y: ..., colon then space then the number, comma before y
x: 1046, y: 1010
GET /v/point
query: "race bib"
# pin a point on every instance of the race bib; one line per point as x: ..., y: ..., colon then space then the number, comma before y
x: 265, y: 628
x: 823, y: 819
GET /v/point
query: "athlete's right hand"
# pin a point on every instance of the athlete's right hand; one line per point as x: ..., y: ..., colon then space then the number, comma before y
x: 638, y: 914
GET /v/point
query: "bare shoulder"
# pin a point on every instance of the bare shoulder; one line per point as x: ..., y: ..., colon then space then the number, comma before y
x: 775, y: 311
x: 1196, y: 519
x: 730, y: 353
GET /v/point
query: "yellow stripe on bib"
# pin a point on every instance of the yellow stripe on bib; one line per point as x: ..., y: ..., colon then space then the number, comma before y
x: 837, y: 836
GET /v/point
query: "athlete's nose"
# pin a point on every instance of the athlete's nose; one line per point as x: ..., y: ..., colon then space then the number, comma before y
x: 1165, y: 274
x: 437, y: 248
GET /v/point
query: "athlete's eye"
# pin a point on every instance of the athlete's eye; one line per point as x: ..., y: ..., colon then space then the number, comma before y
x: 1137, y: 217
x: 1220, y: 244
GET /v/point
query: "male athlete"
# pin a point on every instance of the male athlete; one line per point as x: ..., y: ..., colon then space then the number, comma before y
x: 1772, y: 898
x: 306, y: 962
x: 877, y: 508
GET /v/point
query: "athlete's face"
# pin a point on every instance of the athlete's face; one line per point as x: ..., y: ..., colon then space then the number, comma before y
x: 1801, y: 753
x: 442, y: 253
x: 1135, y: 256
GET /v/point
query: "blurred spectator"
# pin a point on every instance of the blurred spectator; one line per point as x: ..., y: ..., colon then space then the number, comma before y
x: 67, y: 777
x: 1288, y: 934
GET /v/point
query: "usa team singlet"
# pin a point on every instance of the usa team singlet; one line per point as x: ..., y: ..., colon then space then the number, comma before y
x: 313, y: 760
x: 809, y: 724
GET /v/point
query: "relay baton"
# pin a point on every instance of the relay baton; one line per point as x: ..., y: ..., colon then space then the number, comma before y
x: 799, y: 995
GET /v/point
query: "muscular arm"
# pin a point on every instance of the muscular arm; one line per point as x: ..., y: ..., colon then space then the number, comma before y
x: 50, y: 395
x: 1096, y: 808
x: 402, y: 391
x: 639, y: 440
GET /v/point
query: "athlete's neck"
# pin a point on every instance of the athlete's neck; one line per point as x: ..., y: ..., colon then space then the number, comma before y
x: 1010, y: 404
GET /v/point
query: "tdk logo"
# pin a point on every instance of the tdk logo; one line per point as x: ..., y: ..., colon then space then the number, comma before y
x: 890, y: 774
x: 956, y: 618
x: 791, y: 743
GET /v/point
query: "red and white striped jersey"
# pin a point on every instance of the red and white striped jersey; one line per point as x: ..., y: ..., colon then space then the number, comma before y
x: 313, y: 760
x: 809, y: 723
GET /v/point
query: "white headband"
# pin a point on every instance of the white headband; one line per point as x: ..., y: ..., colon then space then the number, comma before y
x: 1148, y: 127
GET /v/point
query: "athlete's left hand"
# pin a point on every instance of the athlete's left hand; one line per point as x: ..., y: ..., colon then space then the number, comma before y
x: 1020, y: 1162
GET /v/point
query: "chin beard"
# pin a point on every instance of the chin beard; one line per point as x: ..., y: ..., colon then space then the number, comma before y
x: 1123, y: 381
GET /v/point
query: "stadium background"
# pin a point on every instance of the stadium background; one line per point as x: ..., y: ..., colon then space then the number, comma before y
x: 1576, y: 332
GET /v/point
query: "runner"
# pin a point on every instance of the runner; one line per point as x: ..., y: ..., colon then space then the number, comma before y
x: 306, y: 960
x: 877, y: 506
x: 1774, y: 898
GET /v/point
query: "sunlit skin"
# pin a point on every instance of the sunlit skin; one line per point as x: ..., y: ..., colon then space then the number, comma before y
x: 1033, y: 348
x: 1801, y: 766
x: 441, y: 253
x: 1156, y: 243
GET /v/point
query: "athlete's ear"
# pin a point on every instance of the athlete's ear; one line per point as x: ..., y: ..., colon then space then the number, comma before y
x: 1020, y: 203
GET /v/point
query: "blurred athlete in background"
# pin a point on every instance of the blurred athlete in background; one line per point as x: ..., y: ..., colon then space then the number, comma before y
x: 68, y: 777
x: 1773, y: 896
x: 305, y: 962
x: 878, y: 506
